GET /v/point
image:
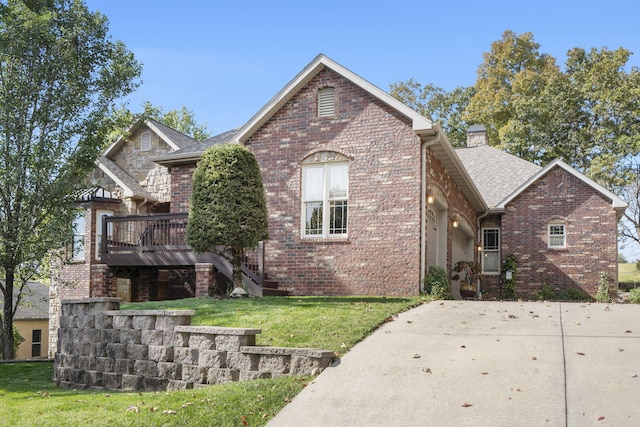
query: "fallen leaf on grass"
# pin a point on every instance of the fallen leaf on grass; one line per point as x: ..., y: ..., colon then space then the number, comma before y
x: 186, y: 404
x: 133, y: 409
x: 169, y: 412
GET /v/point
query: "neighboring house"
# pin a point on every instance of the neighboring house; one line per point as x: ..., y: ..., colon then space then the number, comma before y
x: 363, y: 195
x: 32, y: 320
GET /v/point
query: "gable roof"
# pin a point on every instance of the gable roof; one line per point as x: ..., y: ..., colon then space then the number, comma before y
x: 421, y: 125
x: 176, y: 140
x: 194, y: 151
x: 123, y: 179
x: 616, y: 202
x: 496, y: 174
x: 34, y: 304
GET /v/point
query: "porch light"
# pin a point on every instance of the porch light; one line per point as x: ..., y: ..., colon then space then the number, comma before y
x: 431, y: 199
x: 479, y: 248
x: 455, y: 223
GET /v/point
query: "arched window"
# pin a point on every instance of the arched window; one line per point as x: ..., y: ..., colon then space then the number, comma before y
x: 325, y: 191
x: 327, y: 102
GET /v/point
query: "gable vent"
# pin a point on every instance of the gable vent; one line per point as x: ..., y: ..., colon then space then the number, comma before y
x: 327, y: 102
x: 145, y: 141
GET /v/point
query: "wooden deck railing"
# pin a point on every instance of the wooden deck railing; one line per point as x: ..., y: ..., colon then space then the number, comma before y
x: 159, y: 240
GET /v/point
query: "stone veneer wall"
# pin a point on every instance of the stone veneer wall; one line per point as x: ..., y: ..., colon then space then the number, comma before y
x: 103, y: 348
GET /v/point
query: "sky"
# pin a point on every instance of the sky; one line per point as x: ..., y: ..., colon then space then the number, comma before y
x: 224, y: 60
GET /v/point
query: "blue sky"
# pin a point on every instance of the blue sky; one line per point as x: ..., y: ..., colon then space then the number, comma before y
x: 225, y: 59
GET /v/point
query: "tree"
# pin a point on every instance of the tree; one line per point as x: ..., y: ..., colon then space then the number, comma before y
x: 60, y: 73
x: 228, y: 212
x: 182, y: 120
x: 437, y: 104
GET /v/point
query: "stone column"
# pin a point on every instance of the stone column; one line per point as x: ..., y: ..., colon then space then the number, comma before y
x: 205, y: 279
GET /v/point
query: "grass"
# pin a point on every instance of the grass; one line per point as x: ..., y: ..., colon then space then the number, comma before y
x: 334, y: 323
x: 628, y: 273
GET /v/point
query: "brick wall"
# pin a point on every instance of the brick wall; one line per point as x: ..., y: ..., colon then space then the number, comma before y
x: 382, y: 253
x: 591, y: 230
x: 181, y: 176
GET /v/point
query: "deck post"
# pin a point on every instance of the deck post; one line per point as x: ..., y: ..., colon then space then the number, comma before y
x: 205, y: 279
x: 101, y: 281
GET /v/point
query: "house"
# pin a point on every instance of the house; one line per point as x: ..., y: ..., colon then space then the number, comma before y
x: 32, y: 320
x: 363, y: 196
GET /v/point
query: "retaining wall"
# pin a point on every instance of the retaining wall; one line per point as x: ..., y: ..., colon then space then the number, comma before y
x: 104, y: 348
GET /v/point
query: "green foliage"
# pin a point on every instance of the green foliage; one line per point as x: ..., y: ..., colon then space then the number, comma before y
x: 622, y: 259
x: 602, y: 295
x: 435, y: 280
x: 228, y: 206
x: 575, y: 294
x: 634, y: 296
x: 182, y: 120
x: 508, y: 285
x: 546, y: 293
x: 61, y: 74
x: 17, y: 340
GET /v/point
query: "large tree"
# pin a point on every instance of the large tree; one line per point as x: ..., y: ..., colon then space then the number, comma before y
x: 228, y: 212
x: 182, y: 120
x: 60, y: 73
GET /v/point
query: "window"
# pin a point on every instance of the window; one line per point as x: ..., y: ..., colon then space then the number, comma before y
x: 557, y: 235
x: 491, y: 250
x: 327, y: 102
x: 325, y: 182
x: 145, y: 141
x: 100, y: 214
x: 78, y: 237
x: 36, y: 343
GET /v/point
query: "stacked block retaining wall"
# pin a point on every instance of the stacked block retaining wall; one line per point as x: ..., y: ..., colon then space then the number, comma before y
x: 101, y: 347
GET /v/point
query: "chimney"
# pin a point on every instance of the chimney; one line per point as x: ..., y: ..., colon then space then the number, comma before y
x: 477, y: 136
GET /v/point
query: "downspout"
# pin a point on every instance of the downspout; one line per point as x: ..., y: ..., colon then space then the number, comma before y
x: 423, y: 213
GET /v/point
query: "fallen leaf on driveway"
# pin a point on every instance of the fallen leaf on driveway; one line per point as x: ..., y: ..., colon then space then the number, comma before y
x: 484, y: 373
x: 601, y: 418
x: 416, y: 356
x: 466, y: 405
x: 426, y: 370
x: 627, y: 331
x: 580, y: 354
x: 534, y: 358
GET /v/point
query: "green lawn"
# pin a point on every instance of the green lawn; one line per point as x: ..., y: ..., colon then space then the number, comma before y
x: 628, y: 274
x: 29, y: 398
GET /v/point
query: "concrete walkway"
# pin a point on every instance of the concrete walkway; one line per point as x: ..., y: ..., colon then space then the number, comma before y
x: 457, y: 363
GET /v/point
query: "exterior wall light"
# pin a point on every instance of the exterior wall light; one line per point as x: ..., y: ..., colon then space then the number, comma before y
x: 431, y: 199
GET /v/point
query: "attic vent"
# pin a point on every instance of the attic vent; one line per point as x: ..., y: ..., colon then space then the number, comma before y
x: 327, y: 102
x: 145, y: 141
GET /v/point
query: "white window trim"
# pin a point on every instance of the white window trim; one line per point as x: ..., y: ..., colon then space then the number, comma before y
x: 320, y: 160
x: 563, y: 235
x: 497, y: 251
x: 99, y: 214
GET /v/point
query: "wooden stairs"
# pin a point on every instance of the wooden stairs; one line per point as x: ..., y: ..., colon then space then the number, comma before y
x: 270, y: 289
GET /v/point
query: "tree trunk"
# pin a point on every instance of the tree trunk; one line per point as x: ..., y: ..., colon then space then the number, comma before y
x: 7, y: 326
x: 237, y: 268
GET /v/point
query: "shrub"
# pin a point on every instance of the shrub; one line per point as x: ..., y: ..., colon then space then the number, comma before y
x: 546, y: 293
x: 575, y: 294
x: 603, y: 288
x: 436, y: 283
x: 508, y: 285
x: 634, y: 296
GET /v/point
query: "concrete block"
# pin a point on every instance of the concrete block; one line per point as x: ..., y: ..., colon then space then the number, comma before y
x: 301, y: 365
x: 144, y: 322
x: 279, y: 364
x: 160, y: 353
x: 103, y: 321
x: 176, y: 339
x: 116, y: 350
x: 85, y: 321
x: 222, y: 376
x: 213, y: 359
x: 253, y: 375
x: 122, y: 322
x: 109, y: 335
x: 104, y: 364
x: 202, y: 341
x: 132, y: 382
x: 112, y: 380
x: 94, y: 378
x: 98, y: 349
x: 186, y: 355
x: 155, y: 384
x: 167, y: 322
x: 174, y: 385
x: 130, y: 336
x: 242, y: 361
x: 87, y: 363
x: 123, y: 366
x: 92, y: 335
x: 194, y: 374
x: 169, y: 370
x: 137, y: 351
x: 83, y: 348
x: 152, y: 337
x: 145, y: 368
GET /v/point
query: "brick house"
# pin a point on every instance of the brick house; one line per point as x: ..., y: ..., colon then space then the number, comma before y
x: 363, y: 195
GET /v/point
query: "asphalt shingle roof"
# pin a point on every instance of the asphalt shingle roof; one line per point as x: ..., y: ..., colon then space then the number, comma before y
x: 125, y: 178
x: 495, y: 173
x: 178, y: 138
x: 34, y: 304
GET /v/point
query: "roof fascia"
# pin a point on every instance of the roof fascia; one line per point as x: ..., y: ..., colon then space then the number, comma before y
x: 128, y: 192
x: 121, y: 139
x: 162, y: 135
x: 420, y: 124
x: 616, y: 202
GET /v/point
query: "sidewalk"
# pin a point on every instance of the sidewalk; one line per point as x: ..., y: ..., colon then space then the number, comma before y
x: 456, y: 363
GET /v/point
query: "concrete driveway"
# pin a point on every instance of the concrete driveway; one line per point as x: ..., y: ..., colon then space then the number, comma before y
x: 456, y: 363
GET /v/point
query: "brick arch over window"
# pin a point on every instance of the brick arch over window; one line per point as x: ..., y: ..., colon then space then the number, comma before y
x: 325, y: 194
